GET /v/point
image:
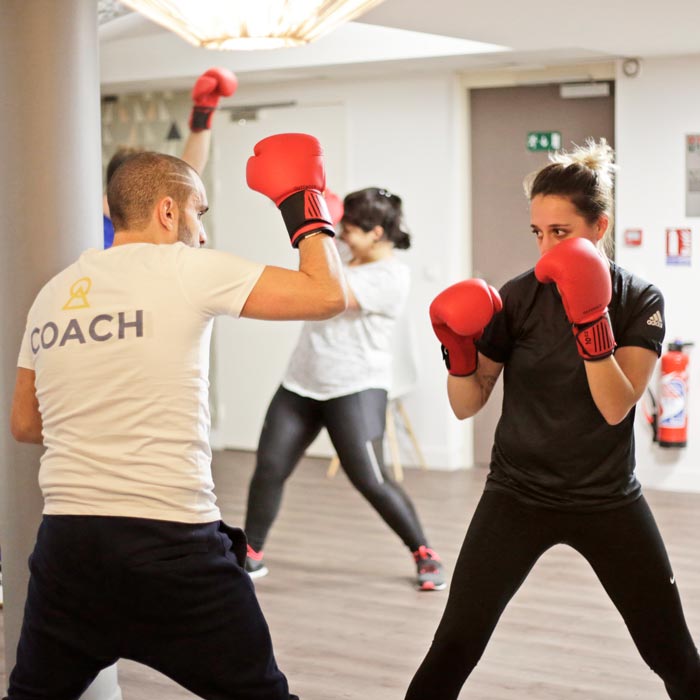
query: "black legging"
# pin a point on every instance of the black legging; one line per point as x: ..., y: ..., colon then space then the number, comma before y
x: 503, y: 542
x: 355, y: 424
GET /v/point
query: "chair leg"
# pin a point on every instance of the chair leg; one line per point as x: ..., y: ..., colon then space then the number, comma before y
x: 333, y: 467
x: 411, y: 434
x: 393, y: 443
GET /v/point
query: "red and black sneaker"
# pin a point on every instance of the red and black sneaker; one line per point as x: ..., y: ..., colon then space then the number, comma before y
x: 430, y: 574
x: 254, y: 564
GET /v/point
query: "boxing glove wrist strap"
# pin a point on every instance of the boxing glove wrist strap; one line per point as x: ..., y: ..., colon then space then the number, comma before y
x: 306, y: 212
x: 595, y: 340
x: 201, y: 118
x: 459, y: 364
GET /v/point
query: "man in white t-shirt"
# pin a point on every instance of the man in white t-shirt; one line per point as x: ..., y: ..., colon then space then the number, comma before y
x: 132, y: 559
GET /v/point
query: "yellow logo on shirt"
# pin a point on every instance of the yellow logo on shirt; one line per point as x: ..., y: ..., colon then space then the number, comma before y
x: 78, y: 294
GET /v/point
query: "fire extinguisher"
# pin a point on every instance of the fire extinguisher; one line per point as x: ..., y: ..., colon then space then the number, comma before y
x: 672, y: 419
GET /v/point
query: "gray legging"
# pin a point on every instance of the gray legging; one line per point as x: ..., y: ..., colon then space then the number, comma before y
x: 355, y: 424
x: 503, y: 542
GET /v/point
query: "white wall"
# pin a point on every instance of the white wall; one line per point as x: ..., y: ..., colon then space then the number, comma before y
x: 654, y: 112
x: 410, y: 135
x: 407, y: 135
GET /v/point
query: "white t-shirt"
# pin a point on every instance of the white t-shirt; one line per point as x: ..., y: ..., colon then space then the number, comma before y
x: 352, y: 352
x: 119, y: 342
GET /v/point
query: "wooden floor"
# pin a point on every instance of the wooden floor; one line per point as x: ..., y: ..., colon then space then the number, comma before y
x: 347, y: 623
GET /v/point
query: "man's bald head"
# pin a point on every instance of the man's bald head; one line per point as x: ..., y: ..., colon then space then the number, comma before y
x: 141, y: 182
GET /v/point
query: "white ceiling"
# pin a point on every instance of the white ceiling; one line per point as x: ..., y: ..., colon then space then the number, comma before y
x: 609, y: 27
x: 465, y: 35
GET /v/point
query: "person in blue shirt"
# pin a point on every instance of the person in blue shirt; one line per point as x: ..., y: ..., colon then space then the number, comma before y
x: 209, y: 88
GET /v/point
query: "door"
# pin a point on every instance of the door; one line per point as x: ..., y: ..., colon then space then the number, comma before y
x: 250, y: 357
x: 503, y: 245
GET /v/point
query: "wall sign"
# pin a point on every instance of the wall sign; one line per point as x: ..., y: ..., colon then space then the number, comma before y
x: 678, y: 250
x: 543, y: 140
x: 633, y: 236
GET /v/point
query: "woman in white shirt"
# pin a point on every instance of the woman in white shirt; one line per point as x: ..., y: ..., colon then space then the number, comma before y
x: 338, y: 378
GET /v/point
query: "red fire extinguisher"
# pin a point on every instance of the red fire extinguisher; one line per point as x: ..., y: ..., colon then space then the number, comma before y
x: 672, y: 421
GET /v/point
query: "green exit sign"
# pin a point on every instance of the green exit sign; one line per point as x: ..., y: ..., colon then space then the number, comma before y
x: 543, y: 140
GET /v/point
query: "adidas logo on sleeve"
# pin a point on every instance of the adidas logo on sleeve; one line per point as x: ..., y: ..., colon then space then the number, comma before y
x: 655, y: 320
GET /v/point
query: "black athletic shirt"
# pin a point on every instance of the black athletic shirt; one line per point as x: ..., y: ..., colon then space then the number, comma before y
x: 552, y: 446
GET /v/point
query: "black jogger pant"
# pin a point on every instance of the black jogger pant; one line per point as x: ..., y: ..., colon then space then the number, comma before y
x: 503, y: 542
x: 169, y: 595
x: 355, y: 424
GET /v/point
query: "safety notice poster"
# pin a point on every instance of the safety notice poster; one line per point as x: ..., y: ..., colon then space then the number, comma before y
x: 678, y: 248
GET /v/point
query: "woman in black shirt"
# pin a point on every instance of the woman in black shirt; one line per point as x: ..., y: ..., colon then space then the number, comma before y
x: 562, y: 467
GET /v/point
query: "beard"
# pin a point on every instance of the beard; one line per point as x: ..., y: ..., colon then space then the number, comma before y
x: 187, y: 236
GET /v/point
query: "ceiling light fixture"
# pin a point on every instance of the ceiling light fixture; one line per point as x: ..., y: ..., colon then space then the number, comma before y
x: 250, y: 24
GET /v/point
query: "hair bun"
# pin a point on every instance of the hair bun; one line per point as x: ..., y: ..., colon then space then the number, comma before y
x: 597, y: 156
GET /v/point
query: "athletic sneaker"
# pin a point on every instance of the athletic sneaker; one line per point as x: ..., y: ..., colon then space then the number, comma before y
x: 430, y: 575
x: 254, y: 564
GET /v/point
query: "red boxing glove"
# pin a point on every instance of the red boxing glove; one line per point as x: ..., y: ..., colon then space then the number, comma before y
x: 288, y: 168
x: 459, y: 315
x: 335, y: 206
x: 582, y: 277
x: 209, y: 88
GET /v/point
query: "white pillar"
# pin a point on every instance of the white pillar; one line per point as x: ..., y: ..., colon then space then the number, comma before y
x: 50, y: 206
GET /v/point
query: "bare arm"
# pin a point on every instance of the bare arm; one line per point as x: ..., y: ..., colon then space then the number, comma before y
x: 469, y: 394
x: 25, y: 419
x: 618, y: 381
x: 317, y: 290
x: 196, y: 152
